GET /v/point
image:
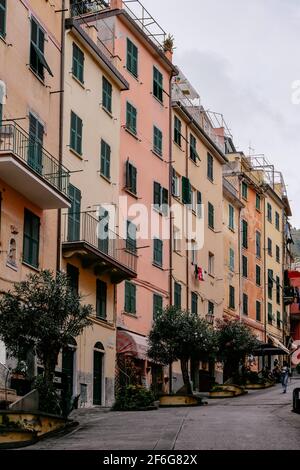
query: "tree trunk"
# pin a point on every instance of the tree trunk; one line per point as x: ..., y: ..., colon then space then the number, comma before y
x: 185, y: 376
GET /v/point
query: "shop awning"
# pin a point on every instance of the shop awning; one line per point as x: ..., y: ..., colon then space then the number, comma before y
x: 278, y: 344
x: 132, y: 344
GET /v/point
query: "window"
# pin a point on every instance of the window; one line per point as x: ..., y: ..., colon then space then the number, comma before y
x: 177, y: 239
x: 199, y: 204
x: 231, y: 259
x: 175, y: 184
x: 270, y: 283
x: 158, y: 252
x: 278, y: 322
x: 269, y: 212
x: 1, y: 112
x: 131, y: 178
x: 258, y: 244
x: 105, y: 159
x: 132, y: 58
x: 106, y: 95
x: 270, y: 313
x: 231, y: 217
x: 177, y: 131
x: 258, y: 311
x: 2, y: 18
x: 245, y: 304
x: 158, y: 89
x: 31, y: 239
x: 131, y: 114
x: 130, y: 297
x: 35, y: 147
x: 157, y: 141
x: 244, y: 190
x: 73, y: 275
x: 211, y: 308
x: 231, y: 297
x: 74, y: 214
x: 210, y: 167
x: 194, y: 303
x: 277, y: 221
x: 131, y: 237
x: 269, y: 247
x: 258, y: 275
x: 101, y: 299
x: 177, y: 295
x: 277, y: 254
x: 160, y: 198
x: 258, y: 202
x: 211, y: 264
x: 193, y: 148
x: 78, y: 63
x: 278, y: 290
x: 76, y: 133
x: 157, y: 305
x: 37, y: 58
x: 194, y: 200
x: 244, y: 266
x: 211, y: 216
x: 186, y: 190
x: 244, y: 234
x: 103, y: 230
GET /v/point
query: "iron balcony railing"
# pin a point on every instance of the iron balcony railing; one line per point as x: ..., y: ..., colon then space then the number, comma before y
x: 84, y: 227
x: 26, y: 148
x: 82, y: 7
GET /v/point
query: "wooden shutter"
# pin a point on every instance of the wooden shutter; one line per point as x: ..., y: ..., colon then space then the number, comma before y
x: 186, y: 190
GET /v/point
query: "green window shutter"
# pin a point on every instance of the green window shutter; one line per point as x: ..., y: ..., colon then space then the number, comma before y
x: 157, y: 305
x: 37, y: 58
x: 245, y: 266
x: 258, y: 244
x: 278, y: 320
x: 157, y: 195
x: 270, y: 313
x: 78, y: 63
x: 194, y: 303
x: 105, y: 159
x: 277, y: 221
x: 231, y: 217
x: 231, y: 259
x: 269, y: 212
x: 127, y: 296
x: 193, y: 148
x: 177, y: 295
x: 3, y: 18
x: 131, y: 177
x: 245, y: 234
x: 258, y: 311
x: 199, y: 204
x: 76, y: 133
x: 132, y: 58
x: 245, y: 304
x: 186, y: 190
x: 158, y: 252
x: 1, y: 113
x: 270, y: 246
x: 258, y: 275
x: 165, y: 201
x: 244, y: 190
x: 157, y: 84
x: 130, y: 297
x: 211, y: 216
x: 106, y: 95
x: 35, y: 147
x: 258, y: 202
x: 74, y: 214
x: 131, y: 114
x: 210, y: 167
x: 157, y: 141
x: 131, y: 237
x: 231, y: 297
x: 73, y: 275
x: 31, y: 238
x: 177, y: 131
x: 101, y: 299
x: 270, y: 283
x: 278, y: 290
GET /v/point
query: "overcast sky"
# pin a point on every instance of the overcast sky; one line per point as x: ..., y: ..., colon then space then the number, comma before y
x: 243, y: 58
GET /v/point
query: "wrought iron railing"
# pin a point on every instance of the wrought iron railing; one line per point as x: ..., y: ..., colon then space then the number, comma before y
x: 82, y: 7
x: 85, y: 227
x: 15, y: 140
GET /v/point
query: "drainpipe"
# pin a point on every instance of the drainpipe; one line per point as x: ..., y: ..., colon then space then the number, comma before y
x: 170, y: 217
x: 187, y: 215
x: 239, y: 258
x: 265, y: 277
x: 61, y: 122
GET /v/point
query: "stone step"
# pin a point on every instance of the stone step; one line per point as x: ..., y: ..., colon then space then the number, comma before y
x: 10, y: 395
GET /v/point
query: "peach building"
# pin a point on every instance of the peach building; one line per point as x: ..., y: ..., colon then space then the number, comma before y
x: 144, y: 166
x: 198, y: 156
x: 33, y: 183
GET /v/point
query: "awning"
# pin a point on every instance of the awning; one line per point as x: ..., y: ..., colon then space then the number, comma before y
x: 278, y: 344
x: 132, y: 344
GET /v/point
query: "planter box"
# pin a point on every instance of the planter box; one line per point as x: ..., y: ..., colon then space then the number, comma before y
x: 222, y: 394
x: 228, y: 391
x: 179, y: 400
x: 259, y: 386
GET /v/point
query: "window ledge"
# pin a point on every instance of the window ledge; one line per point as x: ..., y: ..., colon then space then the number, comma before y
x: 158, y: 100
x: 210, y: 179
x: 231, y: 229
x: 3, y: 39
x: 156, y: 265
x: 131, y: 193
x: 194, y: 162
x: 34, y: 268
x: 81, y: 84
x: 130, y: 314
x: 109, y: 113
x: 157, y: 154
x: 75, y: 153
x: 108, y: 180
x: 136, y: 77
x: 211, y: 275
x: 177, y: 145
x: 133, y: 253
x: 132, y: 133
x: 212, y: 229
x: 42, y: 81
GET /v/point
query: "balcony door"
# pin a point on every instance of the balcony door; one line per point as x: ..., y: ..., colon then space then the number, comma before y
x: 35, y: 145
x: 103, y: 233
x: 74, y: 214
x: 98, y: 373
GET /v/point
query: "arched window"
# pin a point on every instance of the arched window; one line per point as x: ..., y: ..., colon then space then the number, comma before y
x: 99, y: 346
x: 12, y: 253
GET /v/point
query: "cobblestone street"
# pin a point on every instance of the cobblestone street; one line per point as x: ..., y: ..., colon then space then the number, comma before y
x: 261, y: 420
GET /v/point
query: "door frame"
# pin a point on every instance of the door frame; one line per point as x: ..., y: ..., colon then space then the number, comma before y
x: 101, y: 351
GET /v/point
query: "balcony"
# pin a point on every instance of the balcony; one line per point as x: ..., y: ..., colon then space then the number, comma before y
x: 28, y: 168
x: 83, y: 7
x: 111, y: 255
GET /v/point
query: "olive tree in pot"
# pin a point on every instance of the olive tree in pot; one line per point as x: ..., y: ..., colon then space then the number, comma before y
x: 179, y: 335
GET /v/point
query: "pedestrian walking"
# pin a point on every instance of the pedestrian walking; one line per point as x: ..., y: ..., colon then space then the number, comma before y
x: 284, y: 376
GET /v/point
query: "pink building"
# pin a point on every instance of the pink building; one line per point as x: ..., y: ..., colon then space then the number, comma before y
x: 294, y: 277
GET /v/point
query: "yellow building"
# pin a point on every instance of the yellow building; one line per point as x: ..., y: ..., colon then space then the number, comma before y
x: 33, y: 184
x: 197, y: 263
x: 91, y: 148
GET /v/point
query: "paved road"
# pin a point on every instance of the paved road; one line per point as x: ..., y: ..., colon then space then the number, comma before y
x: 261, y: 420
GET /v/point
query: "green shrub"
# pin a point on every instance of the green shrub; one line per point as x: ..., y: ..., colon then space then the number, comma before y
x: 49, y: 401
x: 133, y: 397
